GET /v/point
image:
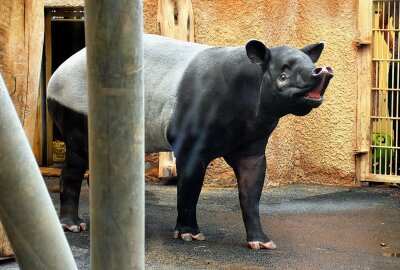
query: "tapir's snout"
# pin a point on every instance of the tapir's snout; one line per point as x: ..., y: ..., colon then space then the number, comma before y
x: 322, y: 76
x: 321, y: 71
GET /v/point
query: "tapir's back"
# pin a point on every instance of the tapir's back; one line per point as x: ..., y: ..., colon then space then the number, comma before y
x: 165, y: 61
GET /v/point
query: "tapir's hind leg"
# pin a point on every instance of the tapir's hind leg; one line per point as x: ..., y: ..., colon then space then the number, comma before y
x: 73, y: 127
x: 70, y: 182
x: 191, y: 173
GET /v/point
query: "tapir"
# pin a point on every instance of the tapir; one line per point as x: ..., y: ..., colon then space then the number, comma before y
x: 201, y: 102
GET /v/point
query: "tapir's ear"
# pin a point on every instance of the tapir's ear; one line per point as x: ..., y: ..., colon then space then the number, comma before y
x: 257, y: 52
x: 314, y: 50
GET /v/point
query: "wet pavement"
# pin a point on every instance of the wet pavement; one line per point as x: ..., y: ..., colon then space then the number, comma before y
x: 314, y: 227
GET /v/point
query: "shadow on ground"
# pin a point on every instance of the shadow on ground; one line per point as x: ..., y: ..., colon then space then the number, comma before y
x: 314, y: 227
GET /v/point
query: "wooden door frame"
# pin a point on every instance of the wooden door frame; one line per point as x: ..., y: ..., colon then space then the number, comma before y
x: 364, y: 70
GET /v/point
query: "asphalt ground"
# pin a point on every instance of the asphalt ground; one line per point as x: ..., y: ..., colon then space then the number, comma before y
x: 314, y: 227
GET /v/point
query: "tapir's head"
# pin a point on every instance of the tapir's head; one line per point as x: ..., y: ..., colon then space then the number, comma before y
x: 291, y: 82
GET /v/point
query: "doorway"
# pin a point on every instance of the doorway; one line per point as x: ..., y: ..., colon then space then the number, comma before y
x: 64, y: 36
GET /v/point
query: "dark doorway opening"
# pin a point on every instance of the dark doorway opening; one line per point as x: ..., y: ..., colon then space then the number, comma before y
x: 68, y: 37
x: 64, y: 36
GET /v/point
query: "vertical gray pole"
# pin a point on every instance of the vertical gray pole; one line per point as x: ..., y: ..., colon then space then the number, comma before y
x: 26, y: 209
x: 114, y: 32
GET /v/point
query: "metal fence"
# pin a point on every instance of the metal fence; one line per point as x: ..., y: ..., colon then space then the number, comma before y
x: 385, y: 126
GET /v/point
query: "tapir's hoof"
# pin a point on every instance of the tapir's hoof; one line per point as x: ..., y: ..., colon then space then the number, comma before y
x: 74, y: 228
x: 189, y: 237
x: 260, y: 245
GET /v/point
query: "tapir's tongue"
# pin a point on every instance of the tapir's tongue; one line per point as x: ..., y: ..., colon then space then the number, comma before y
x: 316, y: 93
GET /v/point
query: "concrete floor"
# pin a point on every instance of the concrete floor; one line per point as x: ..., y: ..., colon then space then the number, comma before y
x: 314, y: 227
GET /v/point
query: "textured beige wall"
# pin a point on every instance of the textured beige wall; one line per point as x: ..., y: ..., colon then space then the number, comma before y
x: 317, y: 148
x: 326, y: 146
x: 64, y: 3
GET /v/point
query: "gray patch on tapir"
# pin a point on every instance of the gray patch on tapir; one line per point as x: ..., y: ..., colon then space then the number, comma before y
x: 67, y: 85
x: 165, y: 62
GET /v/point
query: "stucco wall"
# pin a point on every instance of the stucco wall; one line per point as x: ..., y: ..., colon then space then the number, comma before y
x: 317, y: 148
x: 326, y: 146
x: 64, y: 3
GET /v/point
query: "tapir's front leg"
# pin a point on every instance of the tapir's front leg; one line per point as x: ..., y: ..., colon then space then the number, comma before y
x: 250, y: 173
x: 191, y: 171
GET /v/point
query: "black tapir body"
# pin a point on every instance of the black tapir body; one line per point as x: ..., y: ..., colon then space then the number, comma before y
x: 201, y: 102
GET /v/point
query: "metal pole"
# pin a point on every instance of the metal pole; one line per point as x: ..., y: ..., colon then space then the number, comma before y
x: 114, y: 32
x: 26, y: 209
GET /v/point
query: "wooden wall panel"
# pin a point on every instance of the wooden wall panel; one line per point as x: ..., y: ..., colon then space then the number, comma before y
x: 176, y: 20
x: 21, y: 42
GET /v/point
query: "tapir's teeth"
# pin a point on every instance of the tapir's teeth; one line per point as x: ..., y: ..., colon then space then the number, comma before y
x: 312, y: 97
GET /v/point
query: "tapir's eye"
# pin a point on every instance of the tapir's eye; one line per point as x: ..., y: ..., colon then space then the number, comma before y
x: 283, y: 77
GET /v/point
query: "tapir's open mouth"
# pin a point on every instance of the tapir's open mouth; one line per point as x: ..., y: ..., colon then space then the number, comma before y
x: 317, y: 92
